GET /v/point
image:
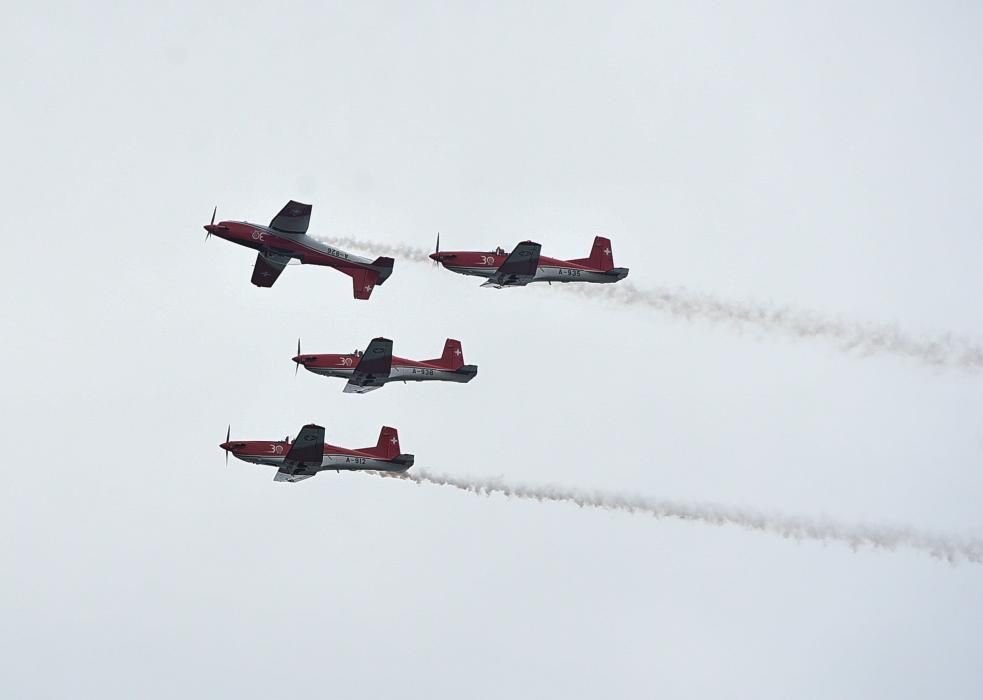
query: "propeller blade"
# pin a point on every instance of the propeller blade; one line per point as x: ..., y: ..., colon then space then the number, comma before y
x: 297, y: 364
x: 228, y: 434
x: 436, y: 261
x: 208, y: 234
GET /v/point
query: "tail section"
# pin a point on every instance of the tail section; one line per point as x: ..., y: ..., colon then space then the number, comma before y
x: 388, y: 445
x: 365, y: 279
x: 384, y: 266
x: 388, y: 448
x: 601, y: 255
x: 453, y: 357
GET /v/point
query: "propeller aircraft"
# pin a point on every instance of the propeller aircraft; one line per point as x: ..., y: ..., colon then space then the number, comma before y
x: 377, y: 366
x: 308, y: 454
x: 525, y: 264
x: 286, y: 238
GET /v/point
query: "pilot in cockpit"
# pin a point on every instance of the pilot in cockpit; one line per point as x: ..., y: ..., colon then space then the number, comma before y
x: 499, y: 251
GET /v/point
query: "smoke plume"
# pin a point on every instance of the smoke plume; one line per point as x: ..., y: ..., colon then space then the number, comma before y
x: 944, y: 351
x: 864, y: 338
x: 946, y: 547
x: 394, y: 251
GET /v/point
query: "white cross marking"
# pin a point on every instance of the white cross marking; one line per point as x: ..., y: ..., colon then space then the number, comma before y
x: 607, y: 251
x: 458, y: 352
x: 393, y: 440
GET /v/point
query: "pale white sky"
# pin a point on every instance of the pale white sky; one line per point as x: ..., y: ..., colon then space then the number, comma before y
x: 825, y: 156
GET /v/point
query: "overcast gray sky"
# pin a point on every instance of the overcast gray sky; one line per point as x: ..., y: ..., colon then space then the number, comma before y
x: 825, y: 157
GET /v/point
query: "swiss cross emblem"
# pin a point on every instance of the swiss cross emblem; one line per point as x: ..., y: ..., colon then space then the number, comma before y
x: 607, y: 251
x: 458, y: 352
x: 368, y: 288
x: 393, y: 440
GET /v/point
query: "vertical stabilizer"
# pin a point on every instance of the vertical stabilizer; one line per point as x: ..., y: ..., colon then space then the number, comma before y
x: 388, y: 445
x: 453, y: 357
x: 601, y: 255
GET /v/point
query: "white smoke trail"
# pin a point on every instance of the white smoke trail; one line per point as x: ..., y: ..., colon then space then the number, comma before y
x: 950, y: 548
x: 395, y: 251
x: 865, y: 338
x: 944, y: 351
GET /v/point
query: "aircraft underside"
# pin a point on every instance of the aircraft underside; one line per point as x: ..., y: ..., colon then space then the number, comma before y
x: 332, y: 462
x: 407, y: 374
x: 552, y: 274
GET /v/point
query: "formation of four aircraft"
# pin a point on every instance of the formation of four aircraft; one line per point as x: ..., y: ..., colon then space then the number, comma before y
x: 286, y: 239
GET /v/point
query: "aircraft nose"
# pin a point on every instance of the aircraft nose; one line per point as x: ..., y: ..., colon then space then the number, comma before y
x: 435, y: 256
x: 212, y: 228
x: 225, y: 446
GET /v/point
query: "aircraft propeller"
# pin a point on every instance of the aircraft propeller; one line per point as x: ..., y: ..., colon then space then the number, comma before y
x: 225, y: 445
x: 436, y: 259
x: 297, y: 359
x: 211, y: 223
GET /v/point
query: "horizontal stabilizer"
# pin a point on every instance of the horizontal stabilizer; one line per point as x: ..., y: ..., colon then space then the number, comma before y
x: 384, y: 267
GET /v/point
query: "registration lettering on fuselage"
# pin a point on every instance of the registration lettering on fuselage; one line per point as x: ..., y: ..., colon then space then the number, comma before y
x: 337, y: 253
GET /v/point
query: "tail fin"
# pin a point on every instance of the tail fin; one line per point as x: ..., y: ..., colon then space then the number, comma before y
x: 453, y: 357
x: 388, y: 445
x: 384, y: 266
x: 601, y: 255
x: 365, y: 279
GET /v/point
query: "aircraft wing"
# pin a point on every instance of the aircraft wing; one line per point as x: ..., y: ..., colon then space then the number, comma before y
x: 284, y: 474
x: 293, y: 218
x: 304, y: 458
x: 373, y: 369
x: 520, y: 267
x: 268, y: 267
x: 307, y: 449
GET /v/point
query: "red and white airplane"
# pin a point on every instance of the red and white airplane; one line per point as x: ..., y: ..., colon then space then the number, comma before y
x: 524, y: 265
x: 369, y: 370
x: 286, y: 238
x: 309, y: 454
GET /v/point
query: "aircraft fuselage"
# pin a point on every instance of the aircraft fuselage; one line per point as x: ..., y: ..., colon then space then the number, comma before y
x: 402, y: 370
x: 486, y: 265
x: 274, y: 452
x: 299, y: 246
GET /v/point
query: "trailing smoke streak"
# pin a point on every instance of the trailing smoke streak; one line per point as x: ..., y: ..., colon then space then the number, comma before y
x: 866, y: 338
x: 949, y: 548
x: 397, y: 251
x: 945, y: 351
